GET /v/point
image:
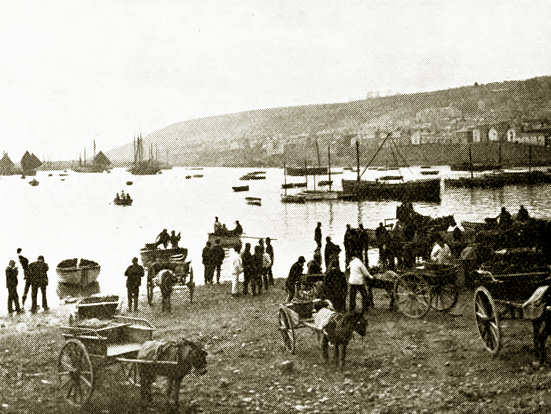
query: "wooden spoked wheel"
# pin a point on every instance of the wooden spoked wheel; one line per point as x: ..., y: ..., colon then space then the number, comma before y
x: 487, y: 320
x: 287, y: 331
x: 75, y: 373
x: 413, y: 295
x: 444, y: 297
x: 150, y: 287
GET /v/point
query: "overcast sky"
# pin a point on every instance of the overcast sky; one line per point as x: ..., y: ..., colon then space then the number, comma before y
x: 77, y: 70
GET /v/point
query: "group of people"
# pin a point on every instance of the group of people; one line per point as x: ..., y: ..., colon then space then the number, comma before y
x: 221, y: 229
x: 335, y: 285
x: 165, y: 238
x: 35, y: 275
x: 123, y: 196
x: 256, y: 266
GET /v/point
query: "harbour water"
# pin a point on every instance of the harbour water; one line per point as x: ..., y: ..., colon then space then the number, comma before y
x: 77, y: 218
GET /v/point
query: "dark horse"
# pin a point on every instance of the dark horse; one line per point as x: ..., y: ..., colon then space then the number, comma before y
x: 339, y: 331
x: 424, y: 229
x: 184, y: 356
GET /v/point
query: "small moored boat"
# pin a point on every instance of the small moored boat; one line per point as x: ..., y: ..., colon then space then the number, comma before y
x: 73, y: 272
x: 33, y: 182
x: 129, y: 183
x: 240, y: 188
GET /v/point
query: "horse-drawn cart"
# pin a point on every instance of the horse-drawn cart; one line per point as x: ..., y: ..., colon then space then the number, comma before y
x: 171, y: 259
x: 297, y: 315
x: 424, y: 287
x: 501, y: 297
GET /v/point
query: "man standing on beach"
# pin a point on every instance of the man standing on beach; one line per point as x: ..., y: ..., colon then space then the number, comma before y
x: 11, y: 284
x: 217, y: 259
x: 207, y: 275
x: 317, y: 235
x: 236, y: 269
x: 134, y: 274
x: 39, y: 280
x: 358, y: 280
x: 26, y: 275
x: 270, y: 251
x: 294, y: 276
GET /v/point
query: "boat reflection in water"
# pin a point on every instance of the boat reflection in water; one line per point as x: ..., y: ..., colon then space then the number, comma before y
x: 74, y: 291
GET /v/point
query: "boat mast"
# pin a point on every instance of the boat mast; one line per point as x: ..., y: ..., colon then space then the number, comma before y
x: 306, y: 172
x: 284, y: 177
x: 358, y: 160
x: 329, y: 163
x: 471, y: 161
x: 529, y: 158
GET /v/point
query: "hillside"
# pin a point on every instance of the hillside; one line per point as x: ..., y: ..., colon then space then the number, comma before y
x: 240, y: 138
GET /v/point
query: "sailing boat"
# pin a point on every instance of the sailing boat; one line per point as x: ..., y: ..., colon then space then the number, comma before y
x: 320, y: 195
x: 289, y: 198
x: 141, y: 166
x: 100, y: 163
x: 423, y: 189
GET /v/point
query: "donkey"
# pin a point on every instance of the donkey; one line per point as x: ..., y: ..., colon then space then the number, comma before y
x: 338, y: 331
x: 185, y: 353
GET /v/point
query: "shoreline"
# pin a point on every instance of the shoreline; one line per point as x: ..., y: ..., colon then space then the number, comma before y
x: 435, y: 364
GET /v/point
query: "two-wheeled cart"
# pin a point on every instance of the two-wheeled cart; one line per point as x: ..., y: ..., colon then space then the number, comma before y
x: 499, y: 298
x: 92, y: 345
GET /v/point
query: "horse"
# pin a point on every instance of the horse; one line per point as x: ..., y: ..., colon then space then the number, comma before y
x: 338, y: 331
x: 185, y: 353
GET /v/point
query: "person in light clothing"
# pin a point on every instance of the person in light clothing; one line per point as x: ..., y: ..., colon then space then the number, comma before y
x: 357, y: 282
x: 441, y: 252
x: 236, y: 269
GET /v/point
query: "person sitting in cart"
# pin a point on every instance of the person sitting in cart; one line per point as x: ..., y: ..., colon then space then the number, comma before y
x: 117, y: 198
x: 522, y: 214
x: 294, y: 276
x: 505, y: 220
x: 238, y: 231
x: 163, y: 238
x: 217, y: 226
x: 441, y: 252
x: 175, y: 239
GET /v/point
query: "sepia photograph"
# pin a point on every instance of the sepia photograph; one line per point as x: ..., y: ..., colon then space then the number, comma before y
x: 275, y: 206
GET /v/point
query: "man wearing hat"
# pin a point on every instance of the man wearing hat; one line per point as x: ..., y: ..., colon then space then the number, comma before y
x: 294, y: 276
x: 39, y: 280
x: 11, y: 284
x: 134, y: 274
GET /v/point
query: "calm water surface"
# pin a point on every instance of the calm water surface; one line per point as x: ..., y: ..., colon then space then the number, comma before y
x: 77, y: 218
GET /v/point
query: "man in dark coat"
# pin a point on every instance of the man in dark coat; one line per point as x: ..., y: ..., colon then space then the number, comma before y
x: 363, y: 244
x: 294, y: 276
x: 175, y: 239
x: 348, y: 245
x: 505, y: 219
x: 331, y: 252
x: 207, y: 264
x: 163, y: 238
x: 217, y: 257
x: 11, y: 284
x: 26, y: 275
x: 270, y: 251
x: 248, y: 269
x: 39, y: 280
x: 134, y: 274
x: 382, y: 238
x: 317, y: 235
x: 335, y: 287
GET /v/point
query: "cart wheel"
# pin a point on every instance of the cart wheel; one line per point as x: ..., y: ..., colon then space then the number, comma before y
x: 413, y: 295
x: 150, y: 291
x: 287, y: 331
x: 444, y: 297
x: 75, y: 373
x: 487, y: 320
